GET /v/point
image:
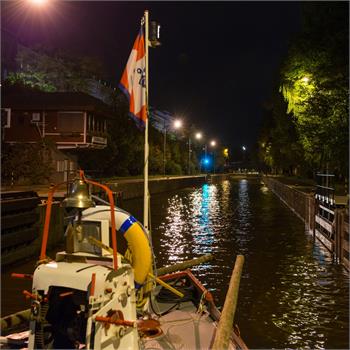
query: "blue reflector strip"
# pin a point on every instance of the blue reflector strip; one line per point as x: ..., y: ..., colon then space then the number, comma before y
x: 137, y: 285
x: 126, y: 224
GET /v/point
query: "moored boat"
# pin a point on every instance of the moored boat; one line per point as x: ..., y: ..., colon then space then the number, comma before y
x: 90, y: 296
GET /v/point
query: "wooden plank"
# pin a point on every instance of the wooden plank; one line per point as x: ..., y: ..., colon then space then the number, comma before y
x: 224, y: 331
x: 326, y: 225
x: 18, y: 204
x: 184, y: 265
x: 17, y: 238
x: 17, y: 220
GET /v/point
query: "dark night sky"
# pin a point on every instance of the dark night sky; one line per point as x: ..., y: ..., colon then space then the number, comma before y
x: 218, y: 61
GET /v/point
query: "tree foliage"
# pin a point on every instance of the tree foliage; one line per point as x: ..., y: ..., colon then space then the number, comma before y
x: 54, y: 70
x: 26, y: 165
x: 315, y: 84
x: 279, y: 148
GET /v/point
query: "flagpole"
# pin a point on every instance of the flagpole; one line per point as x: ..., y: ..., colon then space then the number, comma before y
x: 145, y: 194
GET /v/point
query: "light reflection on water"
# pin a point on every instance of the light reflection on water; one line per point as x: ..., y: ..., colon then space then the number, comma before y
x: 291, y: 295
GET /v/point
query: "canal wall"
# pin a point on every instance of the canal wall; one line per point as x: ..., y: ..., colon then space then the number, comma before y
x: 22, y: 245
x: 130, y: 189
x: 216, y: 178
x: 333, y: 232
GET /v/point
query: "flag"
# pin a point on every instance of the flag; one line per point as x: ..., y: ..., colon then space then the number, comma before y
x: 133, y: 81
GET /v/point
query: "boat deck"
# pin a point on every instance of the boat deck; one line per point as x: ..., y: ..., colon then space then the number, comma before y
x: 184, y: 329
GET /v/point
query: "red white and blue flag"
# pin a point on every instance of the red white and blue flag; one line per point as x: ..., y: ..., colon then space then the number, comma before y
x: 133, y: 81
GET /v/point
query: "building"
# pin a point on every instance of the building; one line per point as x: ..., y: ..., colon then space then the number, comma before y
x: 160, y: 120
x: 70, y: 120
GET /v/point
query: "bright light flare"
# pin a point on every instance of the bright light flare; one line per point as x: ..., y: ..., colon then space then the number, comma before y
x: 206, y: 161
x: 213, y: 143
x: 305, y: 80
x: 38, y: 3
x: 198, y: 135
x: 177, y: 124
x: 243, y: 148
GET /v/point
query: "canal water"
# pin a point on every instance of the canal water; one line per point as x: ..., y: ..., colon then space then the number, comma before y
x: 291, y: 294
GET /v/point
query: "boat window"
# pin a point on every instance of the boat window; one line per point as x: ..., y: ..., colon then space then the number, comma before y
x: 78, y: 237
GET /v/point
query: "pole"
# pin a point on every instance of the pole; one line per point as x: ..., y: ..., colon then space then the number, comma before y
x: 164, y: 150
x: 224, y: 330
x: 145, y: 194
x: 189, y: 156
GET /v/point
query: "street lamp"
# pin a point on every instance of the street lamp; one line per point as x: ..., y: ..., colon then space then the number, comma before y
x: 37, y: 2
x: 198, y: 136
x: 213, y: 144
x: 177, y: 124
x: 244, y: 149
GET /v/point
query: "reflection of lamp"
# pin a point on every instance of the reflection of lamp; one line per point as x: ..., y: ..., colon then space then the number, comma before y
x: 79, y: 196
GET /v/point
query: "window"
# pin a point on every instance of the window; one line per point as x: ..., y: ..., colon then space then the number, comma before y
x: 60, y: 166
x: 89, y: 122
x: 70, y: 122
x: 6, y: 117
x: 36, y: 117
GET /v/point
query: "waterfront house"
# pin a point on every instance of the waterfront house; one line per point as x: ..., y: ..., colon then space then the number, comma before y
x: 68, y: 120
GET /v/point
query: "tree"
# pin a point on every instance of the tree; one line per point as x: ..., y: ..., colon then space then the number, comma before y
x: 26, y: 165
x: 315, y: 85
x: 54, y: 70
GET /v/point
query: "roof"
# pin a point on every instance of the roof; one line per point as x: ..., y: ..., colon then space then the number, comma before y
x: 62, y: 101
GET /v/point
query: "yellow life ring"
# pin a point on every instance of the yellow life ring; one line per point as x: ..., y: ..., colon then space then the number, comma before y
x: 140, y: 249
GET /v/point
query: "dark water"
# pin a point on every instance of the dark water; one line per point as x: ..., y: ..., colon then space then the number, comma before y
x: 291, y: 294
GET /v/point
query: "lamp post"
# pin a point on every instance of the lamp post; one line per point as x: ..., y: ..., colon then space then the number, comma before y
x: 213, y: 144
x: 177, y: 124
x: 198, y: 136
x: 244, y: 149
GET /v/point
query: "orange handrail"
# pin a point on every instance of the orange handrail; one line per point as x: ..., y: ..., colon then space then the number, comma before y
x: 113, y: 226
x: 47, y: 220
x: 48, y: 217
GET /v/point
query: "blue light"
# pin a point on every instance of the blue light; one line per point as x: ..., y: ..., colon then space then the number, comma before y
x: 206, y: 161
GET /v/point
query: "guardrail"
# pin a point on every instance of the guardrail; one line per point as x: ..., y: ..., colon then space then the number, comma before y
x: 327, y: 223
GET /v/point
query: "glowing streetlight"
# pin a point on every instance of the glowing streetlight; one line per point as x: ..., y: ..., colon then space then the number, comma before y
x: 198, y: 135
x: 38, y: 3
x: 243, y: 148
x: 213, y: 143
x: 177, y: 123
x: 305, y: 79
